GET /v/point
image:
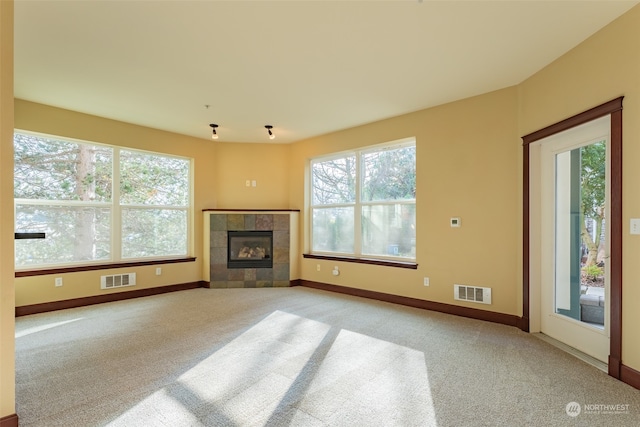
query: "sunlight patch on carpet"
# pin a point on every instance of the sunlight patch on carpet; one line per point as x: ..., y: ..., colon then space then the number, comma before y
x: 287, y: 369
x: 33, y: 330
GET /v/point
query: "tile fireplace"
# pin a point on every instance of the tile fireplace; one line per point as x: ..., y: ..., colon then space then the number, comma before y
x: 251, y: 249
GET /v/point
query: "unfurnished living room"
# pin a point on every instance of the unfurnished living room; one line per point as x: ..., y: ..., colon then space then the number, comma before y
x: 313, y: 213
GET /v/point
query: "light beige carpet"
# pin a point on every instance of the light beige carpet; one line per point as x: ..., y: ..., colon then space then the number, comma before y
x: 297, y: 357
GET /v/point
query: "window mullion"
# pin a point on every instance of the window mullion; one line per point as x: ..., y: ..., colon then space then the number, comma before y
x: 116, y: 217
x: 357, y: 209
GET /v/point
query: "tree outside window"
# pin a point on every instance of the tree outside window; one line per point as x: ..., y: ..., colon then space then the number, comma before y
x: 66, y: 189
x: 592, y: 210
x: 363, y: 203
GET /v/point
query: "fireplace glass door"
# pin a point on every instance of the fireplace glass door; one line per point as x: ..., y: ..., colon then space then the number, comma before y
x: 250, y: 249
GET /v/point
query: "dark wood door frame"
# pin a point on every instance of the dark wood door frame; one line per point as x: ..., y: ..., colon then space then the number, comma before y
x: 613, y: 108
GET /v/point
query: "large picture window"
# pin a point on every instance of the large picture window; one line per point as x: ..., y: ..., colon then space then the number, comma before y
x: 97, y: 203
x: 363, y: 203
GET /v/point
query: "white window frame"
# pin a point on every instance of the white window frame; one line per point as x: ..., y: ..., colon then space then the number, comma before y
x: 358, y: 204
x: 115, y: 206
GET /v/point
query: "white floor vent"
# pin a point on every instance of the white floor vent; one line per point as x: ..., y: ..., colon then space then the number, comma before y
x: 117, y: 280
x: 472, y: 293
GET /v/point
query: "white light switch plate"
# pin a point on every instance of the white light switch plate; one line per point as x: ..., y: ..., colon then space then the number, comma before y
x: 635, y: 226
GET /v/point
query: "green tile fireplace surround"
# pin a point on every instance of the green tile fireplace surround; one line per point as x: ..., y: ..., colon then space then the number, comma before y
x: 283, y: 224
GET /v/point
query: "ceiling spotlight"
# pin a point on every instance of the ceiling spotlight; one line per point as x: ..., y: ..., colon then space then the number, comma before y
x: 271, y: 135
x: 214, y: 134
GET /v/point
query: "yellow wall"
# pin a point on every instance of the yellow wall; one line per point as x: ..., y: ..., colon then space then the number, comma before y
x: 55, y: 121
x: 467, y: 167
x: 267, y: 164
x: 7, y: 356
x: 468, y: 171
x: 602, y: 68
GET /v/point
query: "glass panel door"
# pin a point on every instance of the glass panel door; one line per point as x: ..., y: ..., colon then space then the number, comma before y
x: 574, y: 244
x: 580, y: 238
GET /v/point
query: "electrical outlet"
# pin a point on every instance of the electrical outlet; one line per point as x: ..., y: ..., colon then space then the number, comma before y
x: 318, y: 267
x: 58, y: 281
x: 426, y: 281
x: 158, y: 271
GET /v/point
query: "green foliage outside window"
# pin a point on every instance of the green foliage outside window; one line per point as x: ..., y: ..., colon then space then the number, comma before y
x: 65, y: 189
x: 363, y: 203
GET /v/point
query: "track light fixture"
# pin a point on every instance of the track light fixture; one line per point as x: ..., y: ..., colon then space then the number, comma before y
x: 214, y: 134
x: 271, y: 135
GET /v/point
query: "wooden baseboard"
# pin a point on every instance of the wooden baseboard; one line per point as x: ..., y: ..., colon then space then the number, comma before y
x: 99, y: 299
x: 523, y: 324
x: 9, y: 421
x: 630, y: 376
x: 473, y: 313
x: 614, y: 365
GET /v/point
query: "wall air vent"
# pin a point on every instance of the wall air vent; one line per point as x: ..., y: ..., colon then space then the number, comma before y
x: 472, y: 293
x: 117, y: 280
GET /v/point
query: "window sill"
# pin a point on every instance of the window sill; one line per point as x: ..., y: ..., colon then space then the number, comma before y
x: 74, y: 269
x: 385, y: 263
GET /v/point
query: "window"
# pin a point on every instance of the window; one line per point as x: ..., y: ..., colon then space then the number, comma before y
x: 154, y: 199
x: 363, y: 202
x: 67, y: 189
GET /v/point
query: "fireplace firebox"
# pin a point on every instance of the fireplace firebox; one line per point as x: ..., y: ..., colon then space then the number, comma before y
x: 250, y: 249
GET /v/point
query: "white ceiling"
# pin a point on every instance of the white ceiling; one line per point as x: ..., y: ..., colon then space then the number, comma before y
x: 305, y: 67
